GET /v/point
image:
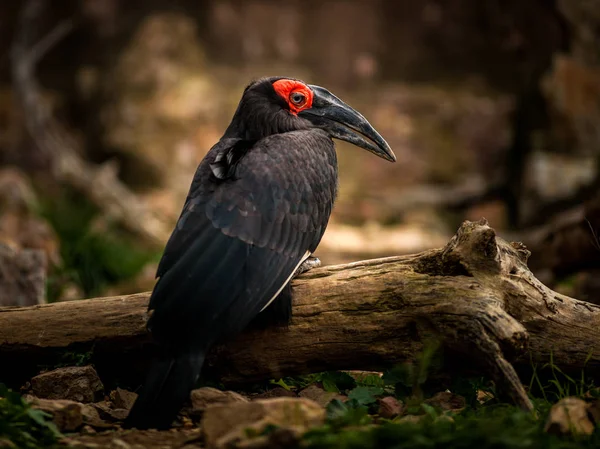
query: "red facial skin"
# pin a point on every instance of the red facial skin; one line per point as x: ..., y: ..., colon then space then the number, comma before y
x: 285, y: 88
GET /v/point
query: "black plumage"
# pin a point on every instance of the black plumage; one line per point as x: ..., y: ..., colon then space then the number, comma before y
x: 257, y: 207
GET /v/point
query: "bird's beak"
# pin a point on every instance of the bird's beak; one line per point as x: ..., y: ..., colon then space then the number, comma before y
x: 342, y: 122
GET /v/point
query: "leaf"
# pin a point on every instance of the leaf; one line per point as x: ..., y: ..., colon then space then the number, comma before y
x: 44, y: 419
x: 38, y: 416
x: 330, y: 386
x: 365, y: 395
x: 336, y: 381
x: 281, y: 383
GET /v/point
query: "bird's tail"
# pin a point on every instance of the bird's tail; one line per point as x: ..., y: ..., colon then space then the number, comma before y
x: 167, y: 387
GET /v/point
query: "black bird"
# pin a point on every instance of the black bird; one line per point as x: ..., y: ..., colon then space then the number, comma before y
x: 257, y: 208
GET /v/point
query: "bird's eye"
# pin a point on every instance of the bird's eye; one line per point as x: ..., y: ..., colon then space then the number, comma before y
x: 298, y: 98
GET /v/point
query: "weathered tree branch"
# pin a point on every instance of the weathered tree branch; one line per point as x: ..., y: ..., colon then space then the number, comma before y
x: 476, y: 294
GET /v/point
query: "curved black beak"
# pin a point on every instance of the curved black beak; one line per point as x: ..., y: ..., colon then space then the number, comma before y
x: 342, y: 122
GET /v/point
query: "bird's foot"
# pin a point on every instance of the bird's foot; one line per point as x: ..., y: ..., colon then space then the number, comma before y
x: 308, y: 264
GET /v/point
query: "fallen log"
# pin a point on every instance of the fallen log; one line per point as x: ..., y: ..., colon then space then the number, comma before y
x: 476, y: 295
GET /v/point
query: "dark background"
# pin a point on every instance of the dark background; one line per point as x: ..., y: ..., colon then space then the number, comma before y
x: 107, y: 106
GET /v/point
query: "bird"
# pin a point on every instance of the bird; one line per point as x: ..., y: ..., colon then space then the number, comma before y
x: 257, y: 208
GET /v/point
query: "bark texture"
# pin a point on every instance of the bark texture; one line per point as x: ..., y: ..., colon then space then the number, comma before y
x: 476, y: 295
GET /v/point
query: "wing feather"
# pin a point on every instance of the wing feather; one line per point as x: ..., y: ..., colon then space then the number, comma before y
x: 242, y: 233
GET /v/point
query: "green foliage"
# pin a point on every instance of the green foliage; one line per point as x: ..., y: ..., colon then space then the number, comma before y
x: 498, y: 427
x: 365, y: 395
x: 355, y: 424
x: 332, y: 381
x: 92, y: 259
x: 23, y: 426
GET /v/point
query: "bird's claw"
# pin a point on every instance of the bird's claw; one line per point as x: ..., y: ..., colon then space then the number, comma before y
x: 308, y: 264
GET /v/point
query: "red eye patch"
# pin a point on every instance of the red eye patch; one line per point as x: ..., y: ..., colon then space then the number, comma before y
x: 297, y: 94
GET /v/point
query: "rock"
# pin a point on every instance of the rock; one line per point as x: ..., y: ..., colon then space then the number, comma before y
x: 123, y: 398
x: 570, y: 416
x: 28, y: 244
x: 106, y: 411
x: 321, y: 396
x: 87, y: 430
x: 360, y: 376
x: 484, y: 396
x: 78, y: 383
x: 66, y: 414
x: 594, y: 411
x: 447, y: 401
x: 277, y: 392
x: 23, y: 276
x: 228, y: 424
x: 390, y: 407
x: 205, y: 396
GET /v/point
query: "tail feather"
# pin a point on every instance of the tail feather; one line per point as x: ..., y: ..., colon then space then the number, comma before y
x: 167, y: 387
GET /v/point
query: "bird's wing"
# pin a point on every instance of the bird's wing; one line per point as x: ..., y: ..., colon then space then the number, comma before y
x: 242, y: 234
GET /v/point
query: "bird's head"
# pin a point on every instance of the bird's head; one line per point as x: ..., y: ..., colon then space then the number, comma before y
x: 276, y: 105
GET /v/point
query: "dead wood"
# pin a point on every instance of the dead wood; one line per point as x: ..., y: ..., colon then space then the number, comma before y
x: 476, y: 294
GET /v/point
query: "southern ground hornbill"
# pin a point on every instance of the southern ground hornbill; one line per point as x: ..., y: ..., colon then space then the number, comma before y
x: 257, y: 208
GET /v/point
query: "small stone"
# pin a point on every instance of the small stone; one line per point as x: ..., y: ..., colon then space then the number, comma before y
x: 106, y: 411
x: 447, y: 401
x: 123, y: 398
x: 120, y: 444
x: 320, y: 396
x: 66, y: 414
x: 205, y: 396
x: 570, y: 416
x: 88, y: 430
x: 390, y: 407
x: 228, y: 424
x: 484, y: 396
x: 77, y: 383
x: 594, y: 411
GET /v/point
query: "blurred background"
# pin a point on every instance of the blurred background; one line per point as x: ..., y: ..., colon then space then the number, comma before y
x: 107, y: 106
